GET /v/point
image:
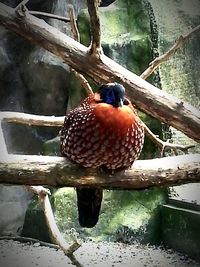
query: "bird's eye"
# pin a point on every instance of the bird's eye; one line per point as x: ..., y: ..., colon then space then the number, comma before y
x: 126, y: 102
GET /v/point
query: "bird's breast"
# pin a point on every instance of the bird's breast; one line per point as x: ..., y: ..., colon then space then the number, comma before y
x: 119, y: 119
x: 100, y: 134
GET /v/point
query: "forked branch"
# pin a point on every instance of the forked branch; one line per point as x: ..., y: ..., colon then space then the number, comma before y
x: 56, y: 236
x: 22, y: 3
x: 163, y: 58
x: 162, y: 145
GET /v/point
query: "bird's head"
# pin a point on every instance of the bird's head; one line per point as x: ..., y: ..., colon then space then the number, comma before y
x: 113, y: 94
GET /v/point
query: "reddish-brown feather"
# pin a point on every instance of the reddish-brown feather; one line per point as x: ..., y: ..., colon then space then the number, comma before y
x: 98, y: 134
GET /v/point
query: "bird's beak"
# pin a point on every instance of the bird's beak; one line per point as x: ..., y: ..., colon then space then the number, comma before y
x: 120, y: 103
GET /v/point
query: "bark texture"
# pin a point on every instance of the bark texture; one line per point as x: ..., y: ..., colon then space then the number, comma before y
x: 56, y: 171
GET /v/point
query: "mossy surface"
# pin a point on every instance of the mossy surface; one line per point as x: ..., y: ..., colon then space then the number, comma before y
x: 180, y: 229
x: 125, y: 215
x: 35, y: 224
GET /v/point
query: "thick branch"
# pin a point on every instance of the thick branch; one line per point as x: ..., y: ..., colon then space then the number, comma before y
x: 56, y: 171
x: 148, y: 98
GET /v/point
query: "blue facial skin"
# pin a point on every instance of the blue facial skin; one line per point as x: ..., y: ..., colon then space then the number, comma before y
x: 113, y: 94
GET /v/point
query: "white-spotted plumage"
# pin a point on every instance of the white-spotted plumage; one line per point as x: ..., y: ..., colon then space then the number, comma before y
x: 85, y: 138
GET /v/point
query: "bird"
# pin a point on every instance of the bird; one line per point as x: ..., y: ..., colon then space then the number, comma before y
x: 104, y: 132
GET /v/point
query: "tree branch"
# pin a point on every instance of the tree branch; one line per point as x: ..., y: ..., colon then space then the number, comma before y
x: 23, y: 239
x: 22, y: 3
x: 162, y: 145
x: 95, y: 46
x: 74, y: 27
x: 76, y: 36
x: 163, y: 58
x: 3, y: 147
x: 28, y: 119
x: 57, y: 171
x: 83, y: 82
x: 55, y: 234
x: 146, y: 97
x: 38, y: 120
x: 48, y: 15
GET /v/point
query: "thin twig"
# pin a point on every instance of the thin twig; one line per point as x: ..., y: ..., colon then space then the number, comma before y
x: 45, y: 203
x: 49, y: 15
x: 42, y: 243
x: 162, y: 145
x: 74, y: 260
x: 72, y: 20
x: 194, y: 30
x: 152, y: 67
x: 4, y: 151
x: 23, y: 239
x: 95, y: 46
x: 76, y: 37
x: 22, y: 3
x: 83, y: 82
x: 163, y: 58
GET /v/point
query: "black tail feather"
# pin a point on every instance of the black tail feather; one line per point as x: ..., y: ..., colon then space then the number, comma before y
x: 89, y: 204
